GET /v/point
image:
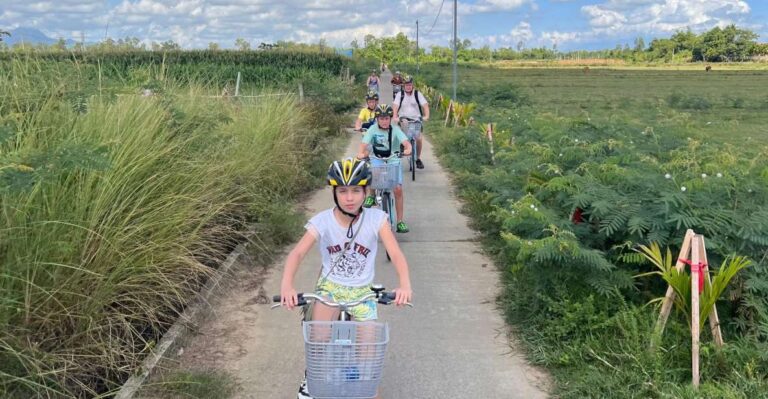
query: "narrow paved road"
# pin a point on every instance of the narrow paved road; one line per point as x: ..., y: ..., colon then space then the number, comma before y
x: 453, y: 344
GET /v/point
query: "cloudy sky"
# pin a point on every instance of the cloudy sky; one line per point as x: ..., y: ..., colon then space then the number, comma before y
x: 571, y: 24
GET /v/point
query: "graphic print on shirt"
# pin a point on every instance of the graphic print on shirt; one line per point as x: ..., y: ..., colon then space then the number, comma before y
x: 381, y: 142
x: 351, y: 264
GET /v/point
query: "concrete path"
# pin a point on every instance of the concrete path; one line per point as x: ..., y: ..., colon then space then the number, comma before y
x: 453, y: 344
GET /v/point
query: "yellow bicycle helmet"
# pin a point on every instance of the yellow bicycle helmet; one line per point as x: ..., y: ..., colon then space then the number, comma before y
x: 349, y: 172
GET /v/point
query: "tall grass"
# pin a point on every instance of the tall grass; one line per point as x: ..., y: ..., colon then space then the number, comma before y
x: 112, y: 213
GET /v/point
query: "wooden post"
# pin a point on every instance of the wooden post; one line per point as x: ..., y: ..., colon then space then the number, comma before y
x: 695, y: 328
x: 714, y: 319
x: 237, y: 85
x: 301, y: 92
x: 669, y: 298
x: 489, y: 132
x: 448, y: 112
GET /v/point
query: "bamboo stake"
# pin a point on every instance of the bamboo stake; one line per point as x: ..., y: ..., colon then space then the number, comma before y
x: 695, y: 328
x: 669, y: 298
x: 237, y: 85
x: 714, y: 320
x: 489, y: 132
x: 448, y: 112
x: 301, y: 92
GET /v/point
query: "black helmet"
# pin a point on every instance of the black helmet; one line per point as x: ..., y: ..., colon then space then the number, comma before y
x: 349, y: 172
x: 372, y: 95
x: 383, y: 109
x: 408, y: 79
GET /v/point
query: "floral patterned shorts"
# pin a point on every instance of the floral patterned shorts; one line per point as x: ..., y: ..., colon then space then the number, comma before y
x: 366, y: 311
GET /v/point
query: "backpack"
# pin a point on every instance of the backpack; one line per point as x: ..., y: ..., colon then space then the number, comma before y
x: 418, y: 103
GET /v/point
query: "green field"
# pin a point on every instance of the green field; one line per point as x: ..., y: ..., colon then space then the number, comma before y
x: 640, y: 156
x: 727, y: 105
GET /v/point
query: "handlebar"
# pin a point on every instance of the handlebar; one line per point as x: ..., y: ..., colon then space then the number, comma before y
x: 382, y: 297
x: 396, y: 154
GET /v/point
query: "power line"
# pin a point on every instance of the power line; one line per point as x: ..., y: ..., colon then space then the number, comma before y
x: 436, y: 17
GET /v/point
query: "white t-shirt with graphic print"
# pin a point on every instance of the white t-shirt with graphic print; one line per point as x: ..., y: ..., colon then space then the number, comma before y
x: 409, y: 109
x: 354, y: 268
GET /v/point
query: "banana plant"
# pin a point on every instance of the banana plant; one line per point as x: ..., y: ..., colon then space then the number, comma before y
x: 680, y: 281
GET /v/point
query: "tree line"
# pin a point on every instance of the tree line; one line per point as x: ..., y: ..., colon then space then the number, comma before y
x: 136, y: 44
x: 728, y: 44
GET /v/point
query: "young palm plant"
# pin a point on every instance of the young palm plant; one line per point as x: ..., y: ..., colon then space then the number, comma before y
x: 680, y: 281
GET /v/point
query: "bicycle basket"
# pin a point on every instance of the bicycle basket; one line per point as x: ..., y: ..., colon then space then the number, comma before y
x: 384, y: 177
x: 344, y: 358
x: 414, y: 129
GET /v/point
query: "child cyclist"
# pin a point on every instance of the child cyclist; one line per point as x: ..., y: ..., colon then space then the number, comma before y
x: 348, y: 236
x: 382, y: 138
x: 366, y: 116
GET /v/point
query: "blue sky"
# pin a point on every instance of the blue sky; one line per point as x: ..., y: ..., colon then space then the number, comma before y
x: 569, y: 24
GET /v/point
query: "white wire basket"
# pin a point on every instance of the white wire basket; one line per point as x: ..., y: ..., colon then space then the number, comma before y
x: 345, y: 359
x: 385, y: 177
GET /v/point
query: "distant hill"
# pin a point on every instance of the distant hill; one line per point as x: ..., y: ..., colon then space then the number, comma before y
x: 32, y: 36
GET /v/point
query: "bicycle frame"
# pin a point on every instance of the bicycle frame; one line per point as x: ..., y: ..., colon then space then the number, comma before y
x: 385, y: 198
x: 413, y: 126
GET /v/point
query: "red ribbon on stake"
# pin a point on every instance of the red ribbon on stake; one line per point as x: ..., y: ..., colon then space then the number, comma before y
x: 701, y: 268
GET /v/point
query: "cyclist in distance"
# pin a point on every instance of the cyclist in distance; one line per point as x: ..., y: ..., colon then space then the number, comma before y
x: 384, y: 138
x: 348, y: 236
x: 366, y: 116
x: 373, y: 81
x: 397, y: 83
x: 410, y: 103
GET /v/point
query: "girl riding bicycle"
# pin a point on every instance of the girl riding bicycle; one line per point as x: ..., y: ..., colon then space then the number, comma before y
x: 348, y: 236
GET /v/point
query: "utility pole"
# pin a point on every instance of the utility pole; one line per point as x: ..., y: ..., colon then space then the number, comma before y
x: 455, y: 49
x: 417, y: 47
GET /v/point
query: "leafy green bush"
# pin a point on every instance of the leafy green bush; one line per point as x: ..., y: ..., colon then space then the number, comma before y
x: 564, y: 204
x: 683, y: 101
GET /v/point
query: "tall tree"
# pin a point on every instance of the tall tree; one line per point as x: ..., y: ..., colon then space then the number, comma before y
x: 242, y: 44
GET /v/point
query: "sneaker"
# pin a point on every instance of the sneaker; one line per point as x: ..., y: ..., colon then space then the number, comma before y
x: 419, y: 164
x: 303, y: 393
x: 369, y: 201
x: 402, y: 227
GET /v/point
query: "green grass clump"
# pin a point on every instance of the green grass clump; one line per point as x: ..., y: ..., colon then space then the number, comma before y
x: 115, y: 209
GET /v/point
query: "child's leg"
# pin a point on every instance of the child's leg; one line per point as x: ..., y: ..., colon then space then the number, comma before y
x: 324, y: 313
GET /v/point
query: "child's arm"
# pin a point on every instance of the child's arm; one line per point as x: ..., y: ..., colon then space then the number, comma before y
x: 367, y: 139
x: 292, y: 262
x: 403, y: 293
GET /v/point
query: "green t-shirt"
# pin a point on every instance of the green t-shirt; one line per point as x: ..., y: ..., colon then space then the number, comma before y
x: 379, y: 139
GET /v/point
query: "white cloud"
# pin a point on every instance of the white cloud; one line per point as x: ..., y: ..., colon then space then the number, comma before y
x: 662, y: 16
x: 621, y: 19
x: 520, y: 34
x: 195, y: 23
x: 496, y: 5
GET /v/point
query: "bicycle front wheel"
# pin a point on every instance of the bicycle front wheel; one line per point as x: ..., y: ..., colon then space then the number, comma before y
x: 413, y: 160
